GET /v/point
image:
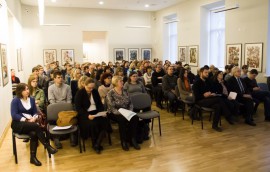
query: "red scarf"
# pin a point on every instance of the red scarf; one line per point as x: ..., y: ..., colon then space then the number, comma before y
x: 186, y: 84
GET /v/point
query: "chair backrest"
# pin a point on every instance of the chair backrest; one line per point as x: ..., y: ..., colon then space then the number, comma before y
x: 140, y: 100
x: 263, y: 86
x: 54, y: 109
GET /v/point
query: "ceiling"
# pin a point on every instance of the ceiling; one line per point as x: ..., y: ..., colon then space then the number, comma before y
x: 154, y: 5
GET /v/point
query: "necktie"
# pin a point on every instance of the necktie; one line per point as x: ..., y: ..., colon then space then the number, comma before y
x: 240, y: 85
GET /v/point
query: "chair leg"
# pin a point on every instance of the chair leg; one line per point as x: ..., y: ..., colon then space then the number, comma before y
x: 159, y: 125
x: 152, y: 124
x: 14, y: 148
x: 79, y: 140
x: 183, y: 111
x: 201, y: 117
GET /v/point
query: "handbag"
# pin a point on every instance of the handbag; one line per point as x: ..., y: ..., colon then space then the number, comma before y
x: 41, y: 120
x: 66, y: 118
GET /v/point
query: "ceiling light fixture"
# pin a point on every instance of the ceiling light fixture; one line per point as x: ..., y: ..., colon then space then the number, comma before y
x: 146, y: 5
x: 41, y: 11
x: 101, y: 2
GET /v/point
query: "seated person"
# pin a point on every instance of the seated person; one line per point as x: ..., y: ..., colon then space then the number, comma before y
x: 219, y: 87
x: 118, y: 98
x: 257, y: 93
x: 184, y: 86
x: 133, y: 85
x: 76, y: 75
x: 24, y: 116
x: 106, y: 81
x: 157, y: 84
x: 237, y: 85
x: 15, y: 81
x: 60, y: 92
x: 147, y: 80
x: 36, y: 92
x: 169, y: 81
x: 88, y: 104
x: 205, y: 98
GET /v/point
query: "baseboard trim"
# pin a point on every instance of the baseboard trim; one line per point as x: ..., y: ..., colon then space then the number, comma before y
x: 5, y: 133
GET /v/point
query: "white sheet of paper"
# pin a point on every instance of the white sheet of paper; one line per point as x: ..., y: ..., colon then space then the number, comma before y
x: 127, y: 113
x: 232, y: 95
x: 61, y: 128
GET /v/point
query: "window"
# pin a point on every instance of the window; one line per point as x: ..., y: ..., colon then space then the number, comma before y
x: 217, y: 39
x: 170, y: 39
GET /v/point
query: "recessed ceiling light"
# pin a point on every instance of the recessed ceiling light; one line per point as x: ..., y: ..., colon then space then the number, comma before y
x: 146, y: 5
x: 101, y: 2
x: 53, y: 0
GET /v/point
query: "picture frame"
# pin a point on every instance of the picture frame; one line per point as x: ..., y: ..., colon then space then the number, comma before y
x: 234, y: 54
x: 193, y: 54
x: 67, y: 56
x: 119, y: 54
x: 4, y: 65
x: 19, y: 60
x: 133, y: 54
x: 49, y: 55
x: 146, y: 54
x: 254, y: 55
x: 182, y: 53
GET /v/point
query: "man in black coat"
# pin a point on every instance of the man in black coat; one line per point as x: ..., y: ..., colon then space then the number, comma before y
x: 237, y: 85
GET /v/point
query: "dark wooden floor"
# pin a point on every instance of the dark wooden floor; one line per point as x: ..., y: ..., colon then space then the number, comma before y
x: 181, y: 148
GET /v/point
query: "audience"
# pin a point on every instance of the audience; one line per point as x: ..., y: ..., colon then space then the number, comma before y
x: 244, y: 71
x: 106, y: 81
x: 133, y: 85
x: 184, y: 86
x: 36, y: 92
x: 157, y: 85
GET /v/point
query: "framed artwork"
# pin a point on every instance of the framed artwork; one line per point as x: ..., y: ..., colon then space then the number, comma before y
x: 4, y: 64
x: 19, y: 60
x: 67, y: 56
x: 146, y: 54
x: 133, y: 54
x: 254, y: 55
x: 119, y: 54
x: 234, y: 54
x: 193, y: 52
x: 49, y: 55
x: 182, y: 53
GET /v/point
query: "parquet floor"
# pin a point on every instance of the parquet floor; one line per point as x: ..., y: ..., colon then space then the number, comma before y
x: 181, y: 148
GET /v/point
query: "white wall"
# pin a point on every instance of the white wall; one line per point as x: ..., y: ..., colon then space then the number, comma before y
x: 247, y: 24
x: 10, y: 34
x: 37, y: 38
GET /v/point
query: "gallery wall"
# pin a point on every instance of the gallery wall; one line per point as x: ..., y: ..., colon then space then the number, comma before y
x: 114, y: 22
x: 248, y: 24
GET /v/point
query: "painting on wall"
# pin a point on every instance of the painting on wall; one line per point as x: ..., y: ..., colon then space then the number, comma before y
x: 254, y: 55
x: 4, y: 64
x: 182, y: 53
x: 19, y: 60
x: 67, y: 56
x: 146, y: 54
x: 193, y: 52
x: 133, y: 54
x: 234, y: 54
x: 49, y: 55
x: 119, y: 54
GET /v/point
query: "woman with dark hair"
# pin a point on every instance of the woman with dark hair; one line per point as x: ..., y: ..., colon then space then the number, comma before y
x: 184, y: 86
x: 133, y: 85
x: 88, y: 104
x: 106, y: 81
x: 220, y: 89
x: 24, y: 116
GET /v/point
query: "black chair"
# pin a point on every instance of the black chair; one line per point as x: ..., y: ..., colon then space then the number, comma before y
x: 142, y: 101
x: 18, y: 136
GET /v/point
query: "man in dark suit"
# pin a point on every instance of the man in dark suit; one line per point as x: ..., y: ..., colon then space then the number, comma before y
x: 257, y: 93
x: 205, y: 98
x: 237, y: 85
x: 156, y: 80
